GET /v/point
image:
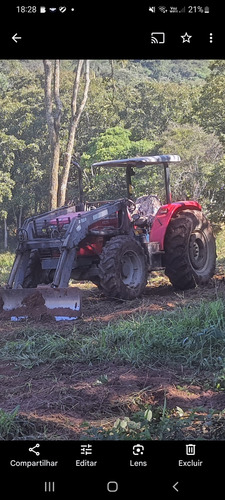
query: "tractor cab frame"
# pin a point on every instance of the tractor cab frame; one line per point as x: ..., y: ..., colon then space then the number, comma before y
x: 140, y: 163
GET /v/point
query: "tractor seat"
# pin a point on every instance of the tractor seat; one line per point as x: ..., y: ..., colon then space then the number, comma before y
x: 146, y: 207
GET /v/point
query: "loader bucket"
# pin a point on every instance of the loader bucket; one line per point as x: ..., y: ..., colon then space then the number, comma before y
x: 39, y: 303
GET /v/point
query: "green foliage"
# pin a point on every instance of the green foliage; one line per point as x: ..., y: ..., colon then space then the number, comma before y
x: 110, y: 183
x: 113, y: 143
x: 220, y: 247
x: 6, y: 262
x: 210, y: 107
x: 177, y: 70
x: 33, y: 349
x: 165, y: 424
x: 22, y: 122
x: 215, y: 200
x: 6, y: 185
x: 8, y: 424
x: 159, y: 69
x: 154, y: 105
x: 192, y: 337
x: 200, y: 152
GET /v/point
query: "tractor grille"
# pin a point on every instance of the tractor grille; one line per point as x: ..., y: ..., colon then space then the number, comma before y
x: 49, y: 253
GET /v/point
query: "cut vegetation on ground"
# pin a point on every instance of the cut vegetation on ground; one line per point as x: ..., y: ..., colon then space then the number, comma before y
x: 153, y: 368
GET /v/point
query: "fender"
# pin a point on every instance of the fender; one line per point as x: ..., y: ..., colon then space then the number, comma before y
x: 163, y: 217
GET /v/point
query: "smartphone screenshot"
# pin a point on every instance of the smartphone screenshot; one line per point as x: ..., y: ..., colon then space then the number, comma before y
x: 112, y: 253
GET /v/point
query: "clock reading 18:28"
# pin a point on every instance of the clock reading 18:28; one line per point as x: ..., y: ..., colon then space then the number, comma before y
x: 26, y: 9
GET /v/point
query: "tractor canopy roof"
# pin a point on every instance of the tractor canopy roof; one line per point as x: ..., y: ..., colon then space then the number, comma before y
x: 139, y: 161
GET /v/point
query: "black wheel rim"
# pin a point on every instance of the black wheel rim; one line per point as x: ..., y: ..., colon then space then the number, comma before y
x: 131, y: 269
x: 198, y: 251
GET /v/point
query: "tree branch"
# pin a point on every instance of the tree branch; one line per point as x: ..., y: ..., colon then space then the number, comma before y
x: 76, y: 87
x: 59, y: 106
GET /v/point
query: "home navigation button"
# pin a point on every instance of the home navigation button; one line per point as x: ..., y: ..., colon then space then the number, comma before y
x: 112, y: 486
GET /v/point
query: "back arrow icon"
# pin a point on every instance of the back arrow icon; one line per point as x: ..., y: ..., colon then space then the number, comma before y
x: 175, y: 486
x: 15, y: 38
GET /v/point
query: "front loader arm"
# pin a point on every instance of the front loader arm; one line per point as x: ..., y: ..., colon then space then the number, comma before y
x: 31, y: 237
x: 77, y: 231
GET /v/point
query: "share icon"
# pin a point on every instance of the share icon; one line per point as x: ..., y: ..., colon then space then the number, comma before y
x: 33, y: 449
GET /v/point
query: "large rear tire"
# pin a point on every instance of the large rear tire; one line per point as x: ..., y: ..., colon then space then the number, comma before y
x: 190, y: 250
x: 123, y: 268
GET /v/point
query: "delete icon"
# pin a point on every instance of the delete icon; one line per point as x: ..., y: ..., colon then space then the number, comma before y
x: 190, y: 449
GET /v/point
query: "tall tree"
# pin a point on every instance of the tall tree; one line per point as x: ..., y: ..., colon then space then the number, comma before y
x: 53, y: 103
x: 53, y: 118
x: 76, y: 112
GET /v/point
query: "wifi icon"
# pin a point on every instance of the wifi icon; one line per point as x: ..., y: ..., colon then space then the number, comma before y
x: 157, y: 37
x: 162, y: 9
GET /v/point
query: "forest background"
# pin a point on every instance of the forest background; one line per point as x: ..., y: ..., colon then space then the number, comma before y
x: 133, y: 107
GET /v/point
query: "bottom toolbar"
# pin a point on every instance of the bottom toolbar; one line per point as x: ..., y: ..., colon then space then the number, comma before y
x: 111, y: 469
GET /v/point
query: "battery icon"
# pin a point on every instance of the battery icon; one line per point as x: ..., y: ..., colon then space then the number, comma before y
x: 42, y: 10
x: 206, y: 10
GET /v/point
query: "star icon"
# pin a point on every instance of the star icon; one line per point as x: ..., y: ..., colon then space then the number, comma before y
x: 186, y: 38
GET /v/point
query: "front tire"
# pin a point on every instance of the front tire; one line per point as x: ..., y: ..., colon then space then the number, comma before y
x: 34, y: 271
x: 123, y: 268
x: 190, y: 250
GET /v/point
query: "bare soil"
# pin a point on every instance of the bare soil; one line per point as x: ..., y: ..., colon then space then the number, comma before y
x: 55, y: 401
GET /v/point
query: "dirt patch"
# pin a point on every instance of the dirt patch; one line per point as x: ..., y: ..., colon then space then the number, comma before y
x: 65, y: 397
x: 155, y: 299
x: 34, y: 300
x: 57, y: 400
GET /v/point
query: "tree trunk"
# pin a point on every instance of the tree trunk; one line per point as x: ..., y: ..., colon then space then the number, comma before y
x: 53, y: 117
x: 20, y: 217
x: 53, y: 121
x: 5, y: 234
x: 76, y: 113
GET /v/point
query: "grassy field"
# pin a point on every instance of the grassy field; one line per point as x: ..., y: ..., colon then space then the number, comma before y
x: 189, y: 341
x: 6, y: 262
x: 143, y: 375
x: 192, y: 337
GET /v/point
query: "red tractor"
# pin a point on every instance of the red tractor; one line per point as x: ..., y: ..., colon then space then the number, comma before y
x: 115, y: 244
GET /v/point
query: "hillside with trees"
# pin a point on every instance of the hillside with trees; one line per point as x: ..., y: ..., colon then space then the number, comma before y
x: 132, y: 107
